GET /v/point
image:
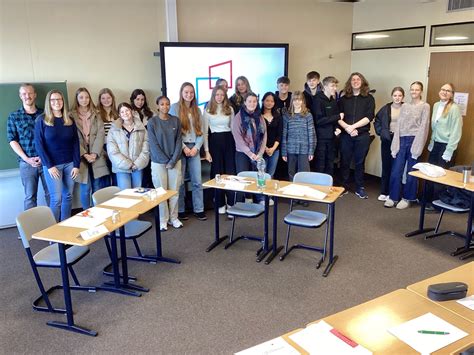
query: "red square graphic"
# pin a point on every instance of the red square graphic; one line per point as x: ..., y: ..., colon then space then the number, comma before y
x: 222, y: 70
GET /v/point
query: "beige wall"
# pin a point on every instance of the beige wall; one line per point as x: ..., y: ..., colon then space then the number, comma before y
x: 313, y: 30
x: 387, y: 68
x: 92, y: 43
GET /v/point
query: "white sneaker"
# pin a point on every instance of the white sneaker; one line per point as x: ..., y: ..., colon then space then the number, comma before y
x: 389, y: 203
x: 382, y: 197
x: 163, y: 226
x: 176, y: 223
x: 403, y: 204
x: 270, y: 202
x: 222, y: 210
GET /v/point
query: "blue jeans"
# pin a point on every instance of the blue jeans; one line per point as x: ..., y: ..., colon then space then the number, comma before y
x: 89, y: 188
x: 271, y: 162
x: 398, y: 166
x: 60, y: 191
x: 193, y: 165
x: 129, y: 180
x: 30, y: 177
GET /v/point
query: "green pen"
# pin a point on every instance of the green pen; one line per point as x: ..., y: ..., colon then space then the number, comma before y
x: 432, y: 332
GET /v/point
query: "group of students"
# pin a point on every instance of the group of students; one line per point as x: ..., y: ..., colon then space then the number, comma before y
x: 130, y: 146
x: 403, y: 128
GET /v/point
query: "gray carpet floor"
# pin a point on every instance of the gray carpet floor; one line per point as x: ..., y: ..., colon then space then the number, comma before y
x: 223, y: 301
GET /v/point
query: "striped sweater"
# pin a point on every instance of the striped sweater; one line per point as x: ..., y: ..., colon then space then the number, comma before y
x: 299, y: 136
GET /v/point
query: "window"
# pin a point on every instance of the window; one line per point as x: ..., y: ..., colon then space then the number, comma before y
x: 452, y: 34
x: 393, y: 38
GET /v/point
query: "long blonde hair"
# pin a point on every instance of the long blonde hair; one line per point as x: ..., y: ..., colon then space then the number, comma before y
x: 91, y: 107
x: 450, y: 101
x: 298, y: 95
x: 212, y: 104
x: 184, y: 111
x: 113, y: 110
x: 48, y: 111
x: 241, y: 97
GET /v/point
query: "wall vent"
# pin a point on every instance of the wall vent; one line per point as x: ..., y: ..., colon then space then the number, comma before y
x: 460, y: 5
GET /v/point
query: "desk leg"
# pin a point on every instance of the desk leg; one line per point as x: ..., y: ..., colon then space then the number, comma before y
x: 421, y: 222
x: 263, y: 252
x: 467, y: 248
x: 67, y: 300
x: 159, y: 250
x: 275, y: 248
x: 217, y: 239
x: 117, y: 286
x: 332, y: 258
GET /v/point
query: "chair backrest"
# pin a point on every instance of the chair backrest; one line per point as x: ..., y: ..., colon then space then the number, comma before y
x: 34, y: 220
x: 252, y: 174
x: 104, y: 194
x: 313, y: 178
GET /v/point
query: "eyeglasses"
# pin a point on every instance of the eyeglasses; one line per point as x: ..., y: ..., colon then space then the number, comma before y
x: 447, y: 91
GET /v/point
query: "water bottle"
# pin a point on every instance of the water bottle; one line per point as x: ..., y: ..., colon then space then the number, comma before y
x: 261, y: 173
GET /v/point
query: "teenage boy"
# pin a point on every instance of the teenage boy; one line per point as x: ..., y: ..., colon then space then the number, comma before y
x: 311, y: 88
x: 283, y: 96
x: 20, y: 135
x: 326, y: 117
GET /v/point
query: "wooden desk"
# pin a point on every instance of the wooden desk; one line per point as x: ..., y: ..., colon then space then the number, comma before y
x: 464, y: 273
x: 250, y: 188
x: 333, y: 192
x: 286, y: 337
x: 144, y: 206
x: 70, y: 236
x: 454, y: 179
x: 367, y: 323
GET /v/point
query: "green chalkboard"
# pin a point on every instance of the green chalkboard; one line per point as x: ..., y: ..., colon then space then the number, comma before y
x: 9, y: 102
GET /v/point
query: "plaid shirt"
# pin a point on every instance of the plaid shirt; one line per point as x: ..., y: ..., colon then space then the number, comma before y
x: 21, y: 129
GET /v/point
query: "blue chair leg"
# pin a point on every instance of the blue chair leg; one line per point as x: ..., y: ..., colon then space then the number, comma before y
x: 231, y: 239
x: 287, y: 251
x: 436, y: 231
x: 137, y: 248
x: 73, y: 275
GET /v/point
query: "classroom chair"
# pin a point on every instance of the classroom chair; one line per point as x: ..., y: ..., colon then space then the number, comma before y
x: 133, y: 230
x: 35, y: 220
x: 308, y: 218
x: 245, y: 210
x: 445, y: 207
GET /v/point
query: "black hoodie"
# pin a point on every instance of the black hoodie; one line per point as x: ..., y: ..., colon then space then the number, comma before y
x: 326, y: 116
x: 357, y: 107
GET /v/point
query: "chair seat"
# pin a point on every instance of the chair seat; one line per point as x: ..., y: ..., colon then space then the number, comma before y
x: 451, y: 208
x: 305, y: 218
x: 49, y: 256
x: 135, y: 228
x: 247, y: 210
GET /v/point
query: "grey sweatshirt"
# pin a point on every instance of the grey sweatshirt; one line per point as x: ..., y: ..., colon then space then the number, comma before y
x: 165, y: 140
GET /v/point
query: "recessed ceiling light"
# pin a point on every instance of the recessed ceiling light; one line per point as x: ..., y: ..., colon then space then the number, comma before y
x: 371, y: 36
x: 451, y: 38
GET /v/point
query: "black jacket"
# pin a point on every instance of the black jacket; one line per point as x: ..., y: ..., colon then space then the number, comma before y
x: 326, y: 116
x: 357, y: 107
x: 282, y: 105
x: 382, y: 122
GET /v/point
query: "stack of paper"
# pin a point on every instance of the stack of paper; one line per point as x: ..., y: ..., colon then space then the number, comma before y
x: 416, y: 333
x: 234, y: 185
x: 302, y: 190
x: 277, y: 346
x: 82, y: 222
x: 321, y: 338
x: 467, y: 302
x: 121, y: 202
x: 137, y: 192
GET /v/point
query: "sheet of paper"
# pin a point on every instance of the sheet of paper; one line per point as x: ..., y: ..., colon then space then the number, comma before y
x: 121, y: 202
x: 427, y: 343
x: 160, y: 191
x: 137, y: 192
x: 100, y: 212
x: 467, y: 302
x: 235, y: 185
x: 317, y: 339
x: 277, y: 346
x: 82, y: 222
x: 94, y: 232
x: 314, y: 193
x: 302, y: 190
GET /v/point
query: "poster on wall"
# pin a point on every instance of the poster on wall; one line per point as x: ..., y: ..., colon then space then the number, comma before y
x: 461, y: 98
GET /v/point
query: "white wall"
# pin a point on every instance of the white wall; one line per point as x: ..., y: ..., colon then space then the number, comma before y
x: 386, y: 68
x: 92, y: 43
x: 314, y: 30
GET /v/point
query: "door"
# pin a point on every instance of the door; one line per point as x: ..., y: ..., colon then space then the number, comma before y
x: 456, y: 68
